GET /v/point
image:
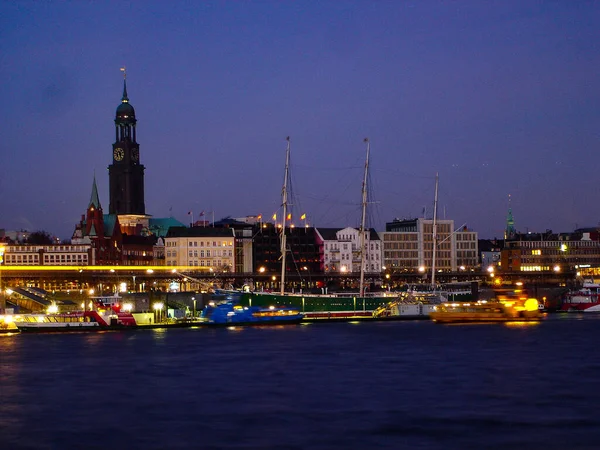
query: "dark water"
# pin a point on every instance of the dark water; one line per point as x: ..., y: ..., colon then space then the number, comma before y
x: 384, y: 385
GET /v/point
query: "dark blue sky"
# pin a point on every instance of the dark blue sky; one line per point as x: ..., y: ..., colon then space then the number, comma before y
x: 498, y: 97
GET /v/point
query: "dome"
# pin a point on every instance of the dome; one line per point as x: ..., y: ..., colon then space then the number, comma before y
x: 125, y: 110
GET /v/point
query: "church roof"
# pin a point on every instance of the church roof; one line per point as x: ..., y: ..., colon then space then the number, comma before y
x: 110, y: 220
x: 92, y: 231
x: 159, y: 226
x: 94, y: 199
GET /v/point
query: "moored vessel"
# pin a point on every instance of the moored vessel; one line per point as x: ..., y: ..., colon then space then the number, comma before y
x: 232, y: 314
x: 586, y: 299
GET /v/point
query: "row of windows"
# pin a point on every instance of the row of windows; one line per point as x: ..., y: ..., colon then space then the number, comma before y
x: 335, y: 246
x: 397, y: 246
x: 52, y: 259
x: 202, y: 253
x: 201, y: 263
x: 47, y: 258
x: 401, y: 237
x: 554, y: 244
x: 201, y: 243
x: 57, y: 248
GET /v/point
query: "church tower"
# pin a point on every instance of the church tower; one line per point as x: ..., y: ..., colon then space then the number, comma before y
x: 509, y: 231
x: 126, y: 174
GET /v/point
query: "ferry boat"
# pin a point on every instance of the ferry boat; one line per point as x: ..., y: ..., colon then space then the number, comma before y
x: 73, y: 321
x: 586, y: 299
x: 504, y: 310
x: 231, y: 314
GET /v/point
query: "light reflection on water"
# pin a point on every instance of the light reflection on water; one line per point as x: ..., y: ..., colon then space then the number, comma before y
x: 377, y: 385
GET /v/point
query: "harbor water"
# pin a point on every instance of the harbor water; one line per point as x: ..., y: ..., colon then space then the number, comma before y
x: 376, y: 385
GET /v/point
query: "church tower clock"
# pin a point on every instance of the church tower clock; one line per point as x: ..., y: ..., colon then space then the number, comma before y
x: 126, y: 173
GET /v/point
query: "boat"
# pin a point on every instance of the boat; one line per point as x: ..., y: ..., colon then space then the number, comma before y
x: 499, y: 310
x: 230, y: 313
x: 73, y: 321
x: 105, y: 313
x: 586, y: 299
x: 410, y: 305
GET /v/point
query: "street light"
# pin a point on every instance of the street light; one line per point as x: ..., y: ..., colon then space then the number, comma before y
x: 158, y: 308
x: 194, y: 300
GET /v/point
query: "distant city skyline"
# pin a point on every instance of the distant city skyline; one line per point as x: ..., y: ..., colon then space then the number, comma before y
x: 499, y: 100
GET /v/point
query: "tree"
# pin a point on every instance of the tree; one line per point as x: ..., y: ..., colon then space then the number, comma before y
x: 39, y: 237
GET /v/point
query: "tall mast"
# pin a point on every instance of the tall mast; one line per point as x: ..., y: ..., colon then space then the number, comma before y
x: 363, y: 242
x: 284, y: 204
x: 434, y: 234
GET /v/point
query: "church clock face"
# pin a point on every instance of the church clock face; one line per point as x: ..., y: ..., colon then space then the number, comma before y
x: 118, y: 154
x: 135, y: 155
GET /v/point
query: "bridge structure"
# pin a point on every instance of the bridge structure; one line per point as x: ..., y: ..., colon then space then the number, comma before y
x: 106, y: 279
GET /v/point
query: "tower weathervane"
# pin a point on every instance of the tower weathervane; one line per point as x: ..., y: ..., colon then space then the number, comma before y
x: 124, y: 72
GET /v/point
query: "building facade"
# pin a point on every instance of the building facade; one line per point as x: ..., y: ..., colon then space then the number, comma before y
x: 302, y: 255
x: 203, y: 247
x: 340, y: 250
x: 408, y: 246
x: 49, y: 255
x: 551, y: 252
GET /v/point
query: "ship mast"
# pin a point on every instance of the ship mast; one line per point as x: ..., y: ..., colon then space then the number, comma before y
x: 363, y: 242
x: 434, y: 233
x: 284, y: 204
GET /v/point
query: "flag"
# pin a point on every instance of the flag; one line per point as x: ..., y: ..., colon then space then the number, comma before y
x: 275, y: 216
x: 303, y: 217
x: 201, y: 214
x: 289, y: 217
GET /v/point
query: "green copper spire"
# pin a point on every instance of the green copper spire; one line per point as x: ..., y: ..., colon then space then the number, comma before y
x: 510, y: 223
x: 94, y: 199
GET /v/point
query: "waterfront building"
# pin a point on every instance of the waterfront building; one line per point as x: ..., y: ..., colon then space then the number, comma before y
x: 551, y: 252
x: 490, y: 251
x: 340, y: 250
x: 408, y: 246
x: 243, y: 230
x: 302, y: 255
x: 202, y: 247
x: 49, y: 255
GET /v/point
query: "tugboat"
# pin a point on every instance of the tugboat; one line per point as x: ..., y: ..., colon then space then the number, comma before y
x: 231, y: 314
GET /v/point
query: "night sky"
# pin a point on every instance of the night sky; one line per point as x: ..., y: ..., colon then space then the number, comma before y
x: 501, y: 98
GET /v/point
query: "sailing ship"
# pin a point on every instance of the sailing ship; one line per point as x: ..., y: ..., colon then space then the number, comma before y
x: 324, y: 306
